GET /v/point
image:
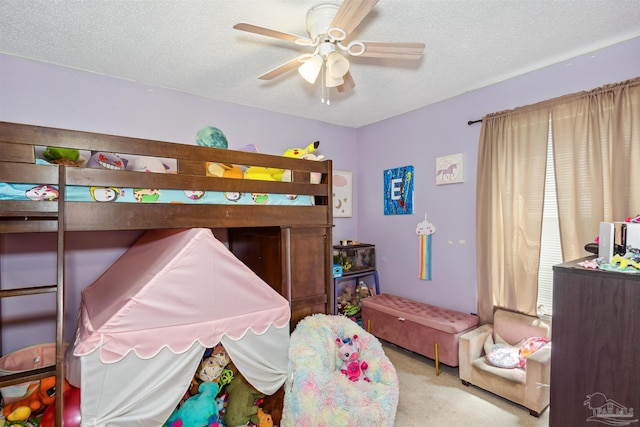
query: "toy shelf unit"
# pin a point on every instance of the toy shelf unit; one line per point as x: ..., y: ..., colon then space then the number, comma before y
x: 353, y: 281
x: 354, y: 267
x: 354, y: 259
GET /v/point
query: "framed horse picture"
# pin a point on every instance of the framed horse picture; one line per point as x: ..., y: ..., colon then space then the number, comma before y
x: 449, y: 169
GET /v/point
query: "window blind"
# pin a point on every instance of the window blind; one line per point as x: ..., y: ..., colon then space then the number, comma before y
x: 550, y: 246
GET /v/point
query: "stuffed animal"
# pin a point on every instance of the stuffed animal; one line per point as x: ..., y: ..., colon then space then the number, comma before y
x: 148, y: 164
x: 273, y: 405
x: 21, y: 413
x: 314, y: 178
x: 38, y: 397
x: 227, y: 170
x: 211, y: 368
x: 104, y: 160
x: 265, y: 419
x: 211, y: 137
x: 200, y: 410
x: 221, y: 404
x: 362, y: 291
x: 63, y: 156
x: 241, y: 407
x: 346, y: 303
x: 224, y: 170
x: 346, y: 295
x: 355, y: 300
x: 259, y: 173
x: 349, y: 353
x: 295, y: 153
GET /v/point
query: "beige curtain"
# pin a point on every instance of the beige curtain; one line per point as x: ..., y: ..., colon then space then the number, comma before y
x: 510, y: 191
x: 596, y: 139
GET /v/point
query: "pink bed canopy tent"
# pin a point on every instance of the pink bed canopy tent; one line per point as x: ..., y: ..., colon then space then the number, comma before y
x: 145, y: 323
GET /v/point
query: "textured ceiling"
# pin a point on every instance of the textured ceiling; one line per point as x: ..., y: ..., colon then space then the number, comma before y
x: 190, y: 46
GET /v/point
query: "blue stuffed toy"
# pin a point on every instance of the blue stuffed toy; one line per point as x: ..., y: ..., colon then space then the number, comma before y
x: 200, y: 410
x: 211, y: 137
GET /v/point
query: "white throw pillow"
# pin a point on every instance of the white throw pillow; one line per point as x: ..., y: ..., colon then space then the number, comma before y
x: 504, y: 356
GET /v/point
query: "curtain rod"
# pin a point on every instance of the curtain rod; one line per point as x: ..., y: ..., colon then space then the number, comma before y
x: 470, y: 122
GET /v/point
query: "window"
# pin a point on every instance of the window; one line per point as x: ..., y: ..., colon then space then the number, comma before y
x: 550, y: 246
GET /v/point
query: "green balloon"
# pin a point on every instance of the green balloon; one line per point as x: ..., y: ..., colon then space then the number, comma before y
x: 211, y: 137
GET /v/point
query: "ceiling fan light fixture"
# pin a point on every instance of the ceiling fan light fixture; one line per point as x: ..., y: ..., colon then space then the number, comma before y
x: 337, y: 64
x: 310, y: 69
x: 331, y: 81
x: 319, y: 18
x: 329, y: 26
x: 337, y: 34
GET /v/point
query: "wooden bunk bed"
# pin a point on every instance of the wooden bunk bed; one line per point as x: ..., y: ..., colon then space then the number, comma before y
x: 288, y: 246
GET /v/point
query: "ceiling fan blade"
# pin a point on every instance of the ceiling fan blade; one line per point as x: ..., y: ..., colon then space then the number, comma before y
x: 351, y: 13
x: 392, y: 50
x: 348, y: 83
x: 281, y: 69
x: 250, y: 28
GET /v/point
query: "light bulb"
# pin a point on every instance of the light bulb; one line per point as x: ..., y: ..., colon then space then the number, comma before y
x: 337, y: 64
x: 331, y: 81
x: 310, y: 69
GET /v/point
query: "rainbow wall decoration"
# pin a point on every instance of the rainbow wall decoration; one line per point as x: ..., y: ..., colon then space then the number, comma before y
x: 425, y: 230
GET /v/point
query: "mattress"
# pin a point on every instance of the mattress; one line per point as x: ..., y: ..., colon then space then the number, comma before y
x: 73, y: 193
x: 76, y: 193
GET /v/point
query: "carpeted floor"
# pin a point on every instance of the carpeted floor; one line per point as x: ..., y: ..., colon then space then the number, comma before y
x: 430, y: 400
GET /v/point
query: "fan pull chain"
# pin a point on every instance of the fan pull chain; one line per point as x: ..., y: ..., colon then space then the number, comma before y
x: 323, y: 84
x: 325, y: 89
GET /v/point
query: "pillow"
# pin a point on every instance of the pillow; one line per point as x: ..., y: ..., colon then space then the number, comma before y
x: 530, y: 346
x: 488, y: 344
x: 504, y: 356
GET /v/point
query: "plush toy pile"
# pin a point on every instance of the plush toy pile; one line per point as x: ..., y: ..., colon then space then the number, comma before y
x: 262, y: 173
x: 220, y: 396
x: 31, y: 409
x: 349, y: 301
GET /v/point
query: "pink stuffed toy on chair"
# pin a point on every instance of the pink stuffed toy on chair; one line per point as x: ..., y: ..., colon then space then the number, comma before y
x: 349, y: 353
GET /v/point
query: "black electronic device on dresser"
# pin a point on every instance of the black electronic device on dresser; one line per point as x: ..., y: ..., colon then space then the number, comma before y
x: 595, y: 361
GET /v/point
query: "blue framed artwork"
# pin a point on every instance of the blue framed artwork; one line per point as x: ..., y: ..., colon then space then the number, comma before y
x: 398, y: 191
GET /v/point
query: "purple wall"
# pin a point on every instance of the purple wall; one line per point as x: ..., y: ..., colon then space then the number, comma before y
x: 418, y: 137
x: 43, y: 94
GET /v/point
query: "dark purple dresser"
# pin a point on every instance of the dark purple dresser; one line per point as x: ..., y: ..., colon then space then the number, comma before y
x: 595, y: 358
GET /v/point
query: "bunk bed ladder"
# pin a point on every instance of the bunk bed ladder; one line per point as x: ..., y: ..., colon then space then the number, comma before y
x: 60, y: 272
x: 58, y: 369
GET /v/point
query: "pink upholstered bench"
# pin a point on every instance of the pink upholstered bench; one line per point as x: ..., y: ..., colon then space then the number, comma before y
x: 422, y: 328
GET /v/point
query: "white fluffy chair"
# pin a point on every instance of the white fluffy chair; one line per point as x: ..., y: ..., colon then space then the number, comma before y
x: 317, y: 394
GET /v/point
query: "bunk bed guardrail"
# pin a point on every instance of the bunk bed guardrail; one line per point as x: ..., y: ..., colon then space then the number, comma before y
x: 18, y: 164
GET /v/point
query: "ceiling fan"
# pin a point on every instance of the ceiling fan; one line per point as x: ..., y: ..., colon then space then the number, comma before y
x: 329, y: 26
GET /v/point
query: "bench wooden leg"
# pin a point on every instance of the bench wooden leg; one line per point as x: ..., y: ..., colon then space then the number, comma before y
x: 435, y: 346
